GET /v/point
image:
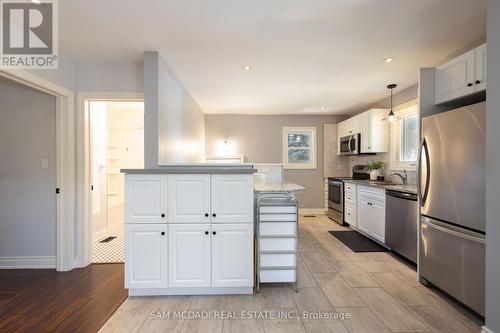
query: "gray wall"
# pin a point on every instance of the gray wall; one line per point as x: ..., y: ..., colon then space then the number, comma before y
x: 400, y: 97
x: 258, y: 138
x: 174, y: 124
x: 27, y: 192
x: 493, y: 169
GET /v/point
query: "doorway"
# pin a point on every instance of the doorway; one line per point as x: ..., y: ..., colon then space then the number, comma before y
x: 116, y: 142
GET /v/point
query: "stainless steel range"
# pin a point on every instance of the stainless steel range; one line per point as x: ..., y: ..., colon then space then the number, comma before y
x: 336, y: 192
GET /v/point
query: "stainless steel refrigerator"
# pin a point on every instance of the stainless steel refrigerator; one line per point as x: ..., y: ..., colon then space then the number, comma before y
x: 451, y: 184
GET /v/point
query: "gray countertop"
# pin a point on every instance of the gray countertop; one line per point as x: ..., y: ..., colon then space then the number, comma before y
x: 276, y: 186
x: 196, y: 168
x: 406, y: 188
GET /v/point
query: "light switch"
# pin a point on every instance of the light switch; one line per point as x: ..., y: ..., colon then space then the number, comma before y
x: 44, y: 163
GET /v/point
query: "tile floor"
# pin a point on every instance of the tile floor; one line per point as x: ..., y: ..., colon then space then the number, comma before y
x: 376, y: 290
x: 109, y: 252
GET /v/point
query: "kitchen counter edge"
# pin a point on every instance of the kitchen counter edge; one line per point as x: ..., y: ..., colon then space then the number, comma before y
x: 408, y: 188
x: 190, y: 169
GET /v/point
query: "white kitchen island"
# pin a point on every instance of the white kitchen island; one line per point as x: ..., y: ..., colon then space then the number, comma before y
x: 189, y: 230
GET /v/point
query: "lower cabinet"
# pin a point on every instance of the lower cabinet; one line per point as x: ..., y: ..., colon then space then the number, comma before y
x: 146, y: 256
x: 189, y: 255
x: 232, y: 255
x: 371, y: 212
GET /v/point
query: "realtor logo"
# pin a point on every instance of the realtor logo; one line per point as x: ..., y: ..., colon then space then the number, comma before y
x: 28, y: 34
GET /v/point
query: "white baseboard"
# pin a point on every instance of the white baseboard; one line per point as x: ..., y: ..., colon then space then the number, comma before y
x: 27, y: 262
x: 312, y: 211
x: 485, y: 329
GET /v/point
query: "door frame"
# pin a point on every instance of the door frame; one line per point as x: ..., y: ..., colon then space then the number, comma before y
x: 85, y: 221
x: 65, y: 162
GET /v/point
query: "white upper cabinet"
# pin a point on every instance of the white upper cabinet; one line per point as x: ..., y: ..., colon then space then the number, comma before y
x: 462, y: 76
x: 189, y: 198
x: 374, y: 131
x: 189, y: 255
x: 232, y: 255
x: 145, y: 199
x: 232, y: 198
x: 480, y: 81
x: 349, y: 127
x: 146, y: 256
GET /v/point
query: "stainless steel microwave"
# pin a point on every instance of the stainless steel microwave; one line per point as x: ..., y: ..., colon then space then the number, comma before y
x: 349, y: 145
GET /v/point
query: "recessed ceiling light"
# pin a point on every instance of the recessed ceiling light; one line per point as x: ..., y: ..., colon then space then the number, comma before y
x: 388, y: 59
x: 247, y: 67
x: 36, y: 1
x: 322, y: 107
x: 245, y: 103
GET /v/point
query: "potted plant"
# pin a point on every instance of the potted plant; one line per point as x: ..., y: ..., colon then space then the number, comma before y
x: 375, y: 169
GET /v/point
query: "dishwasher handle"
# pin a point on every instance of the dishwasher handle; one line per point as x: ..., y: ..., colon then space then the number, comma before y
x: 401, y: 195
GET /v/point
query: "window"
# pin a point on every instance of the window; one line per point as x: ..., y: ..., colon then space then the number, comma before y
x: 405, y: 137
x: 299, y: 147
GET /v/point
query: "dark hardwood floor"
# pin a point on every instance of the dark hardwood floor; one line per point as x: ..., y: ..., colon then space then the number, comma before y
x: 47, y: 301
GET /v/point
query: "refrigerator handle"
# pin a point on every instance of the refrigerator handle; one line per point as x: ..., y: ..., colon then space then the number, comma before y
x: 419, y: 173
x: 422, y: 196
x: 427, y: 172
x: 426, y: 224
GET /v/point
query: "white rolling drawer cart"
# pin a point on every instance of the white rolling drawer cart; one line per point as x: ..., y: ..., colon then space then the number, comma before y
x: 276, y: 238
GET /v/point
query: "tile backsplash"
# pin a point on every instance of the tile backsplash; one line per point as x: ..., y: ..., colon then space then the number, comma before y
x: 384, y: 157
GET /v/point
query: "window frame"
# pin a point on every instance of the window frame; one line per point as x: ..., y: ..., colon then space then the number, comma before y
x: 312, y: 147
x: 405, y: 110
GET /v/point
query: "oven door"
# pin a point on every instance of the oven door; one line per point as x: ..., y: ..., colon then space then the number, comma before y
x: 336, y: 195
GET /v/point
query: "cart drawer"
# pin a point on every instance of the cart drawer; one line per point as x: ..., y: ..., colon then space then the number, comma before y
x: 269, y: 260
x: 277, y: 275
x: 277, y: 228
x: 277, y: 244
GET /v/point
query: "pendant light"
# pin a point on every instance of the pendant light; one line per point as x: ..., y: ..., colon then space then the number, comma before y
x: 391, y: 116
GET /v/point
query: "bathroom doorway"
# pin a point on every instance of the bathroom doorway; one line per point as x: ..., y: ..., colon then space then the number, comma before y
x: 116, y: 142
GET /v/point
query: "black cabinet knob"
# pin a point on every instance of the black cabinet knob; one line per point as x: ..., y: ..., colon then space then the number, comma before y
x: 206, y: 232
x: 214, y: 233
x: 162, y: 215
x: 469, y: 84
x: 206, y: 214
x: 478, y: 81
x: 214, y: 215
x: 163, y: 233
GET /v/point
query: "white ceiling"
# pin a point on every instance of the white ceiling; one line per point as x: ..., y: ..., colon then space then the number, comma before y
x: 304, y: 53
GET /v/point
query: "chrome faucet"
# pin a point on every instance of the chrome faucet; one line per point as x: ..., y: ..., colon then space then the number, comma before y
x: 403, y: 176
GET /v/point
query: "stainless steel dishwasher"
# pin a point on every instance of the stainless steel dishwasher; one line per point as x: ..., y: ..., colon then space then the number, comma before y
x: 401, y: 223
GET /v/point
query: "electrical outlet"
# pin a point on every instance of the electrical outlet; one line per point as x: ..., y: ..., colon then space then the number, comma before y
x: 44, y: 163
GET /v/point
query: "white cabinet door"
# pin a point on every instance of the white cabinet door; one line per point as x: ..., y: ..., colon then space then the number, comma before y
x: 146, y: 256
x: 456, y: 78
x: 480, y: 82
x: 145, y: 198
x: 189, y: 255
x: 188, y: 198
x: 366, y: 131
x: 371, y: 215
x: 232, y: 198
x: 232, y: 255
x: 377, y: 212
x: 364, y: 217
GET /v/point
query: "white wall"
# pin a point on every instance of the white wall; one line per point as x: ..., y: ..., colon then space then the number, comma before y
x: 174, y: 123
x: 27, y: 192
x: 493, y: 169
